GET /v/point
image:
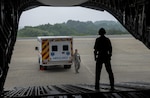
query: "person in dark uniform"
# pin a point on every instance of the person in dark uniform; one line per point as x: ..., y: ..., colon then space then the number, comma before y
x: 102, y: 54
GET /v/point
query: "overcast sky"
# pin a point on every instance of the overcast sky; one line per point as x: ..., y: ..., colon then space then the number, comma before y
x: 52, y: 15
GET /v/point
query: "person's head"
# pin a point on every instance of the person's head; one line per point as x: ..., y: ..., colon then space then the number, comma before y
x: 102, y: 31
x: 76, y: 50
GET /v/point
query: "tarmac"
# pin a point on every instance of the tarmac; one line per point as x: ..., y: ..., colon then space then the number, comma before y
x: 130, y: 63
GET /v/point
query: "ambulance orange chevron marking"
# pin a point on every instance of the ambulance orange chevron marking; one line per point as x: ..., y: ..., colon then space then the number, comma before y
x: 71, y: 47
x: 45, y: 50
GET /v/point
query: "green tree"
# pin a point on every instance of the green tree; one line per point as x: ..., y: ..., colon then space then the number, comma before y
x: 71, y: 28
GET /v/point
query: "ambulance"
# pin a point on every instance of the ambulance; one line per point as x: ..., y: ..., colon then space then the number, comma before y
x: 55, y: 50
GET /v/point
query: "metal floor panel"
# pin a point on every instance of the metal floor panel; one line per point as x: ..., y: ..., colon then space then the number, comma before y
x: 122, y: 90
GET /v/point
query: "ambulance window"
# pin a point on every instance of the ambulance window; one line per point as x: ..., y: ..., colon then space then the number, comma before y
x: 54, y: 48
x: 65, y: 47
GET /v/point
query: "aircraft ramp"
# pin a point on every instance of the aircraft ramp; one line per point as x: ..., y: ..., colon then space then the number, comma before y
x: 122, y: 90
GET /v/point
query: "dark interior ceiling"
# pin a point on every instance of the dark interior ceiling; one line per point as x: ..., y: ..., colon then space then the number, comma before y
x: 132, y: 14
x: 62, y: 2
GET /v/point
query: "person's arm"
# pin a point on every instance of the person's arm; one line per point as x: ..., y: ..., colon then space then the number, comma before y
x: 110, y: 48
x: 79, y: 58
x: 95, y: 55
x: 95, y: 50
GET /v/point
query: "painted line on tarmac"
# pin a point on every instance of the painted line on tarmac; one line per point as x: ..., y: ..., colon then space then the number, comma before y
x: 82, y: 39
x: 122, y: 38
x: 34, y: 39
x: 88, y: 69
x: 26, y: 40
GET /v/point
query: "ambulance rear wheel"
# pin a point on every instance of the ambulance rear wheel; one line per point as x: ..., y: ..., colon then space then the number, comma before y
x: 42, y: 67
x: 67, y: 66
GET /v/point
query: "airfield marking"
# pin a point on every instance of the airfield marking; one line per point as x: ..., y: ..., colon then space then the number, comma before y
x: 88, y: 69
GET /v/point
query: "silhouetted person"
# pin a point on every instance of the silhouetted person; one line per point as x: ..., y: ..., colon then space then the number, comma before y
x: 77, y: 61
x: 102, y: 54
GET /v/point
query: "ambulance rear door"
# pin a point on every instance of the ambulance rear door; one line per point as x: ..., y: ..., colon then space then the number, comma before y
x: 60, y: 50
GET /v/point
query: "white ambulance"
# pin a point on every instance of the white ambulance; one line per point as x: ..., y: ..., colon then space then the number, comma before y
x: 55, y: 50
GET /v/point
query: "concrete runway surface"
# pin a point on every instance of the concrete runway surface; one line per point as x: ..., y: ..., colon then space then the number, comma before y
x: 130, y: 63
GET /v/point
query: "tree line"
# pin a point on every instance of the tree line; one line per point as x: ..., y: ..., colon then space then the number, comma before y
x: 72, y: 28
